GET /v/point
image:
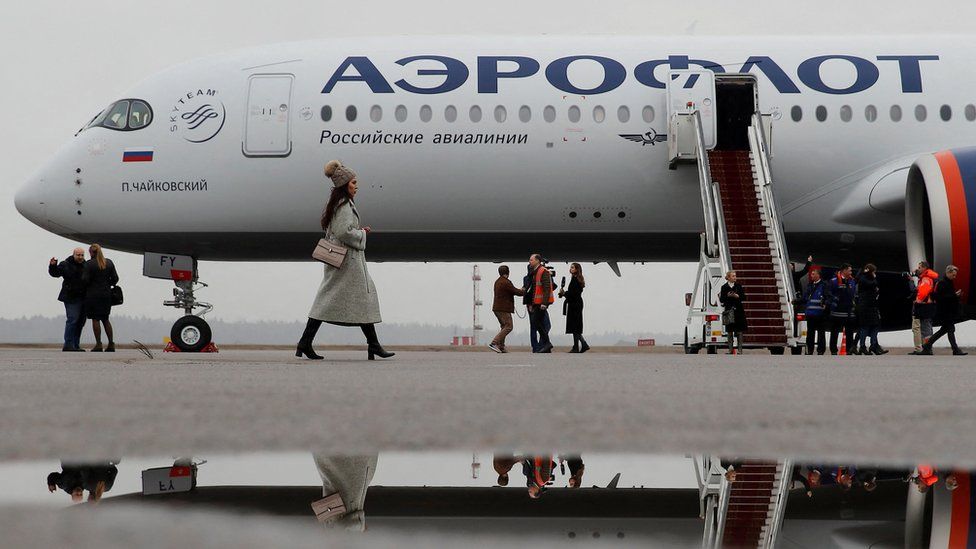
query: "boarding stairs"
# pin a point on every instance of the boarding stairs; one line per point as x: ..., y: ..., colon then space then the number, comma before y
x: 745, y: 513
x: 743, y: 232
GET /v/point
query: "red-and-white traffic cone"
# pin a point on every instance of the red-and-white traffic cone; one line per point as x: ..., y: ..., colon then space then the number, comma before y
x: 843, y: 344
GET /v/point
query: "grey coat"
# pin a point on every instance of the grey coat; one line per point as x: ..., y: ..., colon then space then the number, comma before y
x: 347, y: 295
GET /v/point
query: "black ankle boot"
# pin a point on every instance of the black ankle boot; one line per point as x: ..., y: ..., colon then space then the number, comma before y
x: 374, y: 348
x: 585, y: 346
x: 305, y: 343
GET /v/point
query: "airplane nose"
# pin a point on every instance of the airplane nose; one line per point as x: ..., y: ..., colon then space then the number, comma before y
x: 29, y: 201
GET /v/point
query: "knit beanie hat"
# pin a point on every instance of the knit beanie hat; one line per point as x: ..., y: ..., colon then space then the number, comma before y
x: 339, y: 174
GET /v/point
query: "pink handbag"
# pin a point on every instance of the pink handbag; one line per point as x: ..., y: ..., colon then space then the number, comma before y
x: 330, y: 253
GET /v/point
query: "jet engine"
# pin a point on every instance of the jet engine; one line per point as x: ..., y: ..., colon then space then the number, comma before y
x: 940, y: 216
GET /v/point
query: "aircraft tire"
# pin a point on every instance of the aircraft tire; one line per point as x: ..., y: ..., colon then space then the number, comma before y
x: 191, y: 334
x: 690, y: 349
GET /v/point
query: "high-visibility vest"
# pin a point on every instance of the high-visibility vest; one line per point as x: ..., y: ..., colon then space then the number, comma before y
x: 537, y: 298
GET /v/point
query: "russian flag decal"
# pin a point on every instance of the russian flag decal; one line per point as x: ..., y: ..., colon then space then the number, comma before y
x: 142, y: 154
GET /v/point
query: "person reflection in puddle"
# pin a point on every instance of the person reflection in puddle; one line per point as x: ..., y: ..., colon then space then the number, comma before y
x: 538, y: 473
x: 71, y: 479
x: 576, y: 468
x: 503, y: 464
x: 97, y: 478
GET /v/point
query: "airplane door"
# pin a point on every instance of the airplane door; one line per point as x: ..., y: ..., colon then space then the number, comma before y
x: 267, y: 129
x: 697, y: 88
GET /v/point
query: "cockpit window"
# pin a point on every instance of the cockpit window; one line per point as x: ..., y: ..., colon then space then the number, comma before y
x: 139, y: 115
x: 124, y: 115
x: 115, y: 116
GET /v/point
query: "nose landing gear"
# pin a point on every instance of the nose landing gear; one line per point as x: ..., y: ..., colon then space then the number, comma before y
x: 191, y: 333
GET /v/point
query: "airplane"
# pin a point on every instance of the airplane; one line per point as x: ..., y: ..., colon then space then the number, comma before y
x: 490, y: 148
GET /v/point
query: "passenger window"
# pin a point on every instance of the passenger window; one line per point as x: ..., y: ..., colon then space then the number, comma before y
x: 846, y: 113
x: 549, y: 114
x: 574, y: 114
x: 500, y: 114
x: 525, y: 113
x: 140, y: 115
x: 870, y: 113
x: 971, y: 112
x: 821, y: 113
x: 921, y: 113
x: 116, y: 116
x: 796, y: 113
x: 648, y: 114
x: 376, y: 113
x: 623, y: 114
x: 450, y: 113
x: 326, y: 113
x: 351, y: 113
x: 895, y: 113
x: 945, y: 113
x: 400, y: 113
x: 426, y: 113
x: 475, y: 114
x: 599, y: 114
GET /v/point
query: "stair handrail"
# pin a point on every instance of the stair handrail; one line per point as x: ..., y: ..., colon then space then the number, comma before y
x: 757, y: 142
x: 779, y: 506
x: 705, y: 182
x: 723, y: 508
x: 725, y: 254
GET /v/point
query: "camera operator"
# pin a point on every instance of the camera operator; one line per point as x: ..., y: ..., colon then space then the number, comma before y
x: 542, y: 297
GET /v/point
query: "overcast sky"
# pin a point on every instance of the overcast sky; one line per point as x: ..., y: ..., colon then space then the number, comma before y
x: 61, y: 66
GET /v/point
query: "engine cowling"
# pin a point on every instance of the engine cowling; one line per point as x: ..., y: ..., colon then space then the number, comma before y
x: 940, y: 215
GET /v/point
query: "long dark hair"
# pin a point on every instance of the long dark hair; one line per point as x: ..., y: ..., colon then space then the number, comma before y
x: 339, y: 196
x: 579, y: 274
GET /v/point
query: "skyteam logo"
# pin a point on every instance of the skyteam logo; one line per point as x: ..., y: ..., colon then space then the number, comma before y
x: 198, y: 116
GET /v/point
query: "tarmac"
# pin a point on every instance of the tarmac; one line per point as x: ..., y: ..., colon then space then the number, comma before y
x: 894, y: 409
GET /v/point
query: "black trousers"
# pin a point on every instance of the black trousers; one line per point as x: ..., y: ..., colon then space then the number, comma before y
x: 948, y: 328
x: 816, y: 334
x: 537, y: 319
x: 848, y: 326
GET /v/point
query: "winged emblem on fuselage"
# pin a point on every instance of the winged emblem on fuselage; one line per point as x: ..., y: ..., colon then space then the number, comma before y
x: 649, y: 138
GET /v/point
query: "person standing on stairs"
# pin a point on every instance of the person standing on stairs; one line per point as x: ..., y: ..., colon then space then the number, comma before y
x: 573, y: 308
x: 731, y: 296
x: 347, y: 296
x: 840, y: 294
x: 946, y: 311
x: 868, y: 313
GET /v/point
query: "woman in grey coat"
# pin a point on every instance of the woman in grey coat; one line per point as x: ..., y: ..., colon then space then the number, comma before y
x: 347, y: 296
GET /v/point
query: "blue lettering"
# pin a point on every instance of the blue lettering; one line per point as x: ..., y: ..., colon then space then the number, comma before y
x: 809, y: 73
x: 644, y: 73
x: 614, y: 74
x: 488, y: 73
x: 454, y: 71
x: 908, y: 67
x: 367, y: 73
x: 773, y: 72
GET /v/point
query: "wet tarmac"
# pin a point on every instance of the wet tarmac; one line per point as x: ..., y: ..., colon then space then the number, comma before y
x: 891, y: 409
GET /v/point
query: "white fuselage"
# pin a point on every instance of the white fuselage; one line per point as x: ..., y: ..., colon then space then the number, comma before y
x: 254, y: 189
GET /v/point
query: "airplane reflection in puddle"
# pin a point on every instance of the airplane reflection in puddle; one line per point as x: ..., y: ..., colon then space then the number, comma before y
x: 735, y: 503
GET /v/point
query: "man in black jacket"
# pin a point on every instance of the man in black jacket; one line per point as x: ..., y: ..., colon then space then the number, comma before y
x: 946, y: 311
x: 72, y: 295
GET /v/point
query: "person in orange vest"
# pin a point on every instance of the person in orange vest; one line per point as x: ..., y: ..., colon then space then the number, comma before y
x: 923, y: 310
x: 542, y: 298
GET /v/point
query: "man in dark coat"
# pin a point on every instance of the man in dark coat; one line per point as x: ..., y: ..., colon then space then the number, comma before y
x: 503, y: 306
x: 841, y: 292
x: 71, y: 271
x: 946, y: 311
x: 71, y: 479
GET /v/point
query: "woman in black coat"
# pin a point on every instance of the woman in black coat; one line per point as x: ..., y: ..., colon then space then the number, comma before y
x: 946, y: 311
x: 573, y: 308
x: 867, y: 311
x: 99, y: 277
x: 731, y: 296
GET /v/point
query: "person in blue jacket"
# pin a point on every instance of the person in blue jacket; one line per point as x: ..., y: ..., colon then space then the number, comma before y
x: 840, y: 293
x: 816, y: 312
